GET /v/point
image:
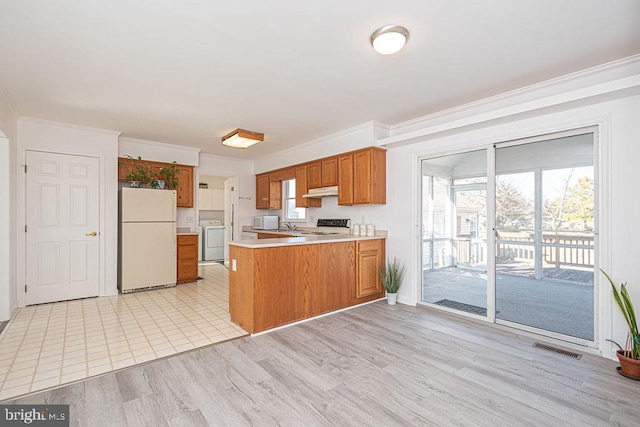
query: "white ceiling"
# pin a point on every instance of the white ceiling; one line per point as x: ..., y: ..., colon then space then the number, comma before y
x: 189, y: 72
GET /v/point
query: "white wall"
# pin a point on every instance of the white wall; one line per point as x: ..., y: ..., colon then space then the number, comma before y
x: 8, y: 233
x: 41, y: 135
x: 246, y: 191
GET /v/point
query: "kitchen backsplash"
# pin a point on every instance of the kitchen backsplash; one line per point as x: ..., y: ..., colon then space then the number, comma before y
x: 187, y: 218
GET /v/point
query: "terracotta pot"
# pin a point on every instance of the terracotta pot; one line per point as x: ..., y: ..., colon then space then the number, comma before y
x: 629, y: 366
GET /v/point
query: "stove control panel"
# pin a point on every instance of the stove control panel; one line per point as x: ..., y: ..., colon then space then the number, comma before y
x: 334, y: 223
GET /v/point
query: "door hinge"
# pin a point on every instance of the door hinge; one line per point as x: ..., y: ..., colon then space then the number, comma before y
x: 25, y: 228
x: 25, y: 289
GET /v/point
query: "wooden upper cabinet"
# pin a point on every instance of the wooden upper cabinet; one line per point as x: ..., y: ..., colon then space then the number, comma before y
x: 302, y: 188
x: 275, y: 195
x: 314, y: 175
x: 330, y: 172
x: 282, y: 174
x: 345, y: 179
x: 369, y: 176
x: 185, y: 188
x: 262, y: 191
x: 323, y: 173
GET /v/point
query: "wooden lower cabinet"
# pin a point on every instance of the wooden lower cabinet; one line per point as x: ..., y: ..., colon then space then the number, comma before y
x: 187, y: 258
x: 369, y: 258
x: 275, y: 286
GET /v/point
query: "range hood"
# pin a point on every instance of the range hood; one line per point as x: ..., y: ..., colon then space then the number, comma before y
x: 322, y: 192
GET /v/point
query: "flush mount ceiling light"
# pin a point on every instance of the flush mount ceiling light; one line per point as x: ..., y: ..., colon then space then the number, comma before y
x: 240, y: 138
x: 389, y: 39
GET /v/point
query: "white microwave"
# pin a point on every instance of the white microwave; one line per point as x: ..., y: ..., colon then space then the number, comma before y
x: 266, y: 222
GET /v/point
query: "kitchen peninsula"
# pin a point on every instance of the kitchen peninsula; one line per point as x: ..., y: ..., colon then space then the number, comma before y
x: 273, y: 282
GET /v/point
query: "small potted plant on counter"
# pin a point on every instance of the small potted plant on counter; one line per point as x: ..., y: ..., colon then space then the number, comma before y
x: 391, y: 275
x: 629, y: 357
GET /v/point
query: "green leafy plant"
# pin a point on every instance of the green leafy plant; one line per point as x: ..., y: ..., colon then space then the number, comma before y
x: 139, y: 171
x: 624, y: 303
x: 391, y: 275
x: 168, y: 174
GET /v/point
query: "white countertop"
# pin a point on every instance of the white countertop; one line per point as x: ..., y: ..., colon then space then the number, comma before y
x: 300, y: 240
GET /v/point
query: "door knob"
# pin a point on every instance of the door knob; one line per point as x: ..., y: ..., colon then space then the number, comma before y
x: 92, y: 234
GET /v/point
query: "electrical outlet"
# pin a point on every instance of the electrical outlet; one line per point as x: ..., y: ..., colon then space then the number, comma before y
x: 189, y: 220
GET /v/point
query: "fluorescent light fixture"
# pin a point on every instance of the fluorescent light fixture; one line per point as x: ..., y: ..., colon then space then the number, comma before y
x: 240, y: 138
x: 389, y: 39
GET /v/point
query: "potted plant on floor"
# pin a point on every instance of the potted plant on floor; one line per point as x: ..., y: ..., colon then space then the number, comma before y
x: 629, y: 357
x: 391, y: 275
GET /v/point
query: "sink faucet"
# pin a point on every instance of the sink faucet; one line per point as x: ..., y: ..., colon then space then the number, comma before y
x: 290, y: 227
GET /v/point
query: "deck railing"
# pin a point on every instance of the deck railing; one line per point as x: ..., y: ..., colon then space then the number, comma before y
x: 558, y: 249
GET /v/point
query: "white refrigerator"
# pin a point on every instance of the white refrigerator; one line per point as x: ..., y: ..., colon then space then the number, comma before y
x: 147, y: 239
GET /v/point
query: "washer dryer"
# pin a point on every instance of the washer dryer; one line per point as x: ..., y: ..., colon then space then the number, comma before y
x: 212, y: 240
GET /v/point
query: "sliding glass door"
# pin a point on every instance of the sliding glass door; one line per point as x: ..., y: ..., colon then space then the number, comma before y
x: 454, y: 224
x: 540, y: 198
x: 545, y: 229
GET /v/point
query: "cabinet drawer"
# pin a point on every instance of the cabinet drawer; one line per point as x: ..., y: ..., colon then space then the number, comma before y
x: 187, y: 270
x: 188, y: 252
x: 189, y: 239
x: 368, y: 245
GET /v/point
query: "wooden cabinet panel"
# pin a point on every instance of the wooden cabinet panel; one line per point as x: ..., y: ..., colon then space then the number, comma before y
x: 271, y: 287
x: 273, y: 235
x: 369, y: 259
x: 185, y: 188
x: 262, y: 191
x: 275, y: 195
x: 241, y: 287
x: 345, y: 180
x: 187, y: 261
x: 330, y: 172
x: 314, y: 175
x: 302, y: 188
x: 282, y: 174
x: 323, y: 173
x: 362, y: 177
x: 268, y: 192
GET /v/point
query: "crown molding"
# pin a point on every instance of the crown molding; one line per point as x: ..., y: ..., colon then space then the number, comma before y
x: 234, y: 159
x: 67, y: 125
x: 612, y: 80
x: 320, y: 140
x: 159, y: 144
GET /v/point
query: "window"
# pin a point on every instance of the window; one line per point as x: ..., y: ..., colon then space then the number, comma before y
x: 291, y: 213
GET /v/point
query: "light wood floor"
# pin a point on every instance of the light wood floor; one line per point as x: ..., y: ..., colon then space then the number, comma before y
x: 374, y: 365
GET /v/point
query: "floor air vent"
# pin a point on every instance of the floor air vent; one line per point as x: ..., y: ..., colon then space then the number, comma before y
x: 558, y: 350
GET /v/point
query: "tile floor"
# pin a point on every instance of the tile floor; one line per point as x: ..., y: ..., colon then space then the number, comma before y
x: 52, y: 344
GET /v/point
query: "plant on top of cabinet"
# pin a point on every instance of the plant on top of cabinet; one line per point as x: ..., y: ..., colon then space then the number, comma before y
x: 168, y: 175
x: 139, y: 172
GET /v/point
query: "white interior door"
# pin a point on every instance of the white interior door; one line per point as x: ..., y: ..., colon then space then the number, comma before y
x: 62, y: 219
